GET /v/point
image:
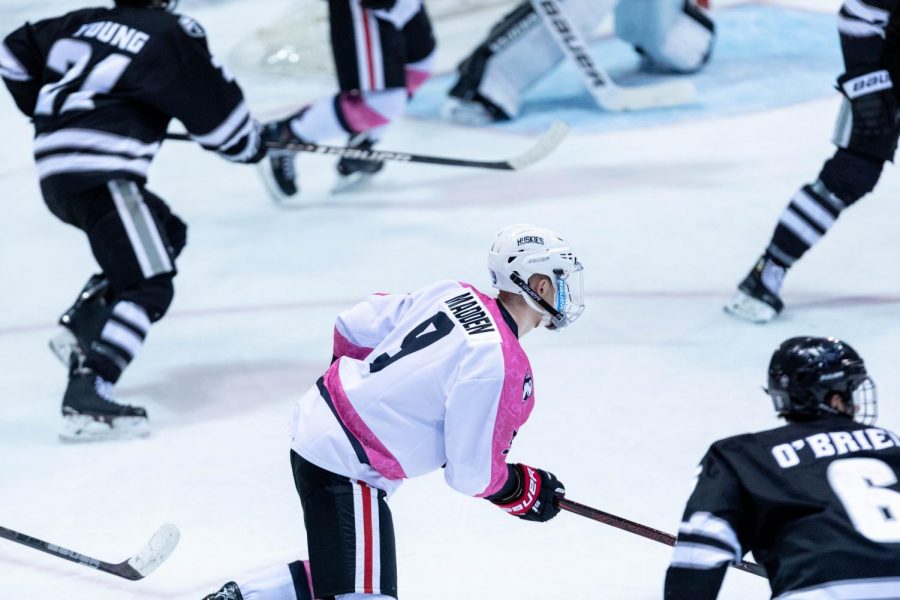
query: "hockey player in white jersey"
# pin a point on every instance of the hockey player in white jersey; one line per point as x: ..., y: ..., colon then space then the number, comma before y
x: 672, y: 36
x: 420, y: 381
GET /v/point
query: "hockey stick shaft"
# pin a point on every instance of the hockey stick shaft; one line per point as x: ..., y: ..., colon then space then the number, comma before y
x: 545, y: 144
x: 137, y: 567
x: 638, y: 529
x: 602, y: 87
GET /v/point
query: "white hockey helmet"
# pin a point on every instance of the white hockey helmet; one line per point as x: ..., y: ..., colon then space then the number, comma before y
x: 520, y: 251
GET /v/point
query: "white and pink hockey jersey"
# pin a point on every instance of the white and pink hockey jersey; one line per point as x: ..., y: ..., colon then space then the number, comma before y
x: 422, y: 380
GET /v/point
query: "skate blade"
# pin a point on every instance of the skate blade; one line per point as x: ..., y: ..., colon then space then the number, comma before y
x: 352, y: 182
x: 63, y: 345
x: 87, y: 428
x: 264, y: 168
x: 748, y: 308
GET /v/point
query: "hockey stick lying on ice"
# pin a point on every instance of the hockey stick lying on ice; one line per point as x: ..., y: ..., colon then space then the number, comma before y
x: 545, y: 144
x: 604, y: 90
x: 153, y: 554
x: 642, y: 530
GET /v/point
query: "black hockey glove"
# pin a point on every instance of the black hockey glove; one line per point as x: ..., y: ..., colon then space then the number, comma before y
x: 873, y: 103
x: 378, y: 4
x: 529, y: 493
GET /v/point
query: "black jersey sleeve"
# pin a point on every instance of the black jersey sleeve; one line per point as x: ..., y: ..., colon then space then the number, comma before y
x: 863, y: 25
x: 710, y: 534
x: 198, y: 91
x: 20, y: 66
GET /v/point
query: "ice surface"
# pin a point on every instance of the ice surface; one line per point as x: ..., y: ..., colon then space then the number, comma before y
x: 666, y: 219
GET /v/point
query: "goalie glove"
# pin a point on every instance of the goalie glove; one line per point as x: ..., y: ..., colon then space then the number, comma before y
x: 529, y: 493
x: 873, y: 104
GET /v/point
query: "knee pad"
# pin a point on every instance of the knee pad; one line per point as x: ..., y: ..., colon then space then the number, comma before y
x: 850, y: 176
x: 672, y: 35
x: 367, y: 110
x: 154, y: 295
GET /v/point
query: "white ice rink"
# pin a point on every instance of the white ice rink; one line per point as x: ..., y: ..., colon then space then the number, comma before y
x: 666, y: 220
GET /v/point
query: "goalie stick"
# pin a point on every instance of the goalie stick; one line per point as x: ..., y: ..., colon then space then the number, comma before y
x: 642, y: 530
x: 605, y: 91
x: 545, y: 144
x: 144, y: 562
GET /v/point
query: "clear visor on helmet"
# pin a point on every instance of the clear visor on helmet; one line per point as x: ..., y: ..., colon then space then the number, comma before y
x: 569, y: 301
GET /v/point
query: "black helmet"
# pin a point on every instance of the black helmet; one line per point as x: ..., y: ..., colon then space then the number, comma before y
x: 169, y: 5
x: 806, y: 372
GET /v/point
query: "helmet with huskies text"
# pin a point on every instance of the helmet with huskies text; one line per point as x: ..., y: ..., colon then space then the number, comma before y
x: 522, y: 251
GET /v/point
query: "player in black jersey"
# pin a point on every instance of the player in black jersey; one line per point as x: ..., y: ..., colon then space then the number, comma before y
x: 866, y: 136
x: 383, y: 52
x: 817, y: 500
x: 101, y: 85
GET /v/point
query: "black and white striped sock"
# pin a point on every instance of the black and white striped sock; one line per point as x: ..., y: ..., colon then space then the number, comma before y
x: 808, y: 216
x: 119, y: 342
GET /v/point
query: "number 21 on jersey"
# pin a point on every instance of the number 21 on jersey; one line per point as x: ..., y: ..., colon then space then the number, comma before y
x: 71, y: 58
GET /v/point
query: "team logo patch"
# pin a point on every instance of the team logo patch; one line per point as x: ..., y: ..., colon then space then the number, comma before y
x: 527, y: 387
x: 191, y: 27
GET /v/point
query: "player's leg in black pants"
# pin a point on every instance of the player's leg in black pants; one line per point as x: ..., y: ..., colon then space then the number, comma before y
x: 851, y: 173
x: 135, y: 238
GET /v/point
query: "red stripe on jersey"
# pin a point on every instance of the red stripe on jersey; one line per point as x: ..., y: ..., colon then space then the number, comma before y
x: 367, y: 538
x: 369, y: 56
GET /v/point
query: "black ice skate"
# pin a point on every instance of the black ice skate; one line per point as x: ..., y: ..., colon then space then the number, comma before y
x: 353, y: 172
x: 229, y: 591
x: 277, y: 169
x: 91, y: 413
x: 757, y: 298
x: 82, y: 322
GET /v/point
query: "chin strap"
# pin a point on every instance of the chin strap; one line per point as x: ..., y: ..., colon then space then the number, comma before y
x: 536, y: 298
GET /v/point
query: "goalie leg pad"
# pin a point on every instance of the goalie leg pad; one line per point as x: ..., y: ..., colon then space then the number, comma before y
x: 517, y: 53
x: 672, y: 35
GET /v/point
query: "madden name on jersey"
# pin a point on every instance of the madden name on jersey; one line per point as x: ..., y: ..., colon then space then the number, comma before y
x: 833, y: 443
x: 115, y: 34
x: 470, y: 313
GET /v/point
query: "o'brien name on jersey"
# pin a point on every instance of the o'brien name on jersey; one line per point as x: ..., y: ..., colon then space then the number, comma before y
x: 833, y: 443
x: 471, y: 314
x: 115, y: 34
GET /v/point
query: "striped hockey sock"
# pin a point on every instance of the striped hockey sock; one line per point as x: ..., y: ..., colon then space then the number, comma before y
x: 808, y: 216
x: 119, y: 342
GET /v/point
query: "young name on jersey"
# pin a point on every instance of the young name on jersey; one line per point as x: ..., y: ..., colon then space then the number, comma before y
x: 115, y: 34
x: 833, y: 443
x: 470, y: 314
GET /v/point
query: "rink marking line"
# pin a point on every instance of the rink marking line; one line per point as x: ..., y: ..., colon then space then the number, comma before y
x: 804, y: 301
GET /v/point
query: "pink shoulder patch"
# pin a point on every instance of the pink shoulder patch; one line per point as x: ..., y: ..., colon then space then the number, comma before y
x: 516, y: 396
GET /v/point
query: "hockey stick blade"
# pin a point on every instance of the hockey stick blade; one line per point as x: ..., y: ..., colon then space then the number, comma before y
x: 144, y: 562
x: 642, y: 530
x: 660, y: 95
x: 545, y: 144
x: 606, y: 92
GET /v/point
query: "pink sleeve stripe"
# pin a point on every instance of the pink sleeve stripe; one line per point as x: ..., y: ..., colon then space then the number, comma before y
x: 512, y: 411
x: 344, y: 347
x: 379, y: 456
